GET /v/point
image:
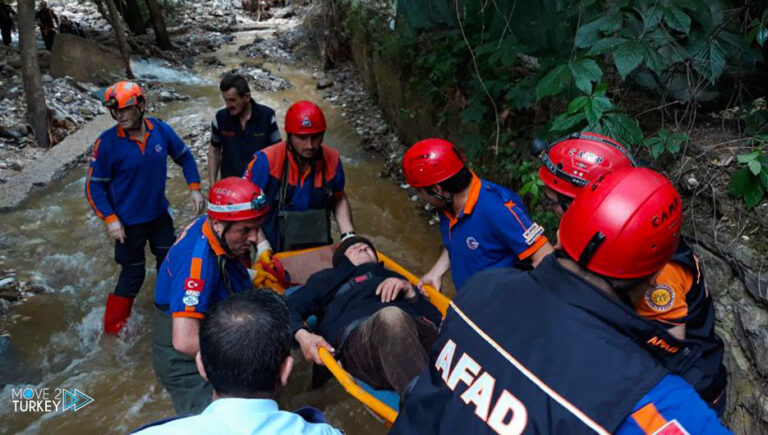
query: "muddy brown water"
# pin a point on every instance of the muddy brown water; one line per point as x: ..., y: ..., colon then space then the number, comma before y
x: 54, y: 239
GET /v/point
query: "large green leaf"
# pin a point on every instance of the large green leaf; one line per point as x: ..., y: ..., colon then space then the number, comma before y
x: 753, y: 196
x: 716, y: 61
x: 577, y: 104
x: 677, y: 19
x: 596, y: 107
x: 655, y: 61
x: 740, y: 182
x: 564, y: 122
x: 651, y: 17
x: 585, y: 71
x: 628, y: 56
x: 588, y: 33
x: 556, y: 80
x: 623, y: 128
x: 755, y: 167
x: 604, y: 45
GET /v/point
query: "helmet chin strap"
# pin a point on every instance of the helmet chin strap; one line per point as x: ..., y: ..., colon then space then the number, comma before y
x: 447, y: 199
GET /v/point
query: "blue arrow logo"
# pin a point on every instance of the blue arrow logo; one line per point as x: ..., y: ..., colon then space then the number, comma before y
x: 75, y: 400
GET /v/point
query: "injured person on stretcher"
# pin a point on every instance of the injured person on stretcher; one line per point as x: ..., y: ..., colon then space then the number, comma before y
x: 377, y: 324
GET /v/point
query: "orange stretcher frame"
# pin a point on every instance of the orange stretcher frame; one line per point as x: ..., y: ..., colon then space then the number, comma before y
x: 439, y: 300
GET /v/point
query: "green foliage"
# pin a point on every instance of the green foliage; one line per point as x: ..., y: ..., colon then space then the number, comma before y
x: 552, y: 67
x: 751, y: 181
x: 665, y: 141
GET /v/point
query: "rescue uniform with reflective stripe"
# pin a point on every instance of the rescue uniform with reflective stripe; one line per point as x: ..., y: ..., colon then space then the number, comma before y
x: 681, y: 297
x: 189, y: 282
x: 545, y: 352
x: 493, y: 230
x: 238, y: 145
x: 304, y: 190
x: 190, y: 279
x: 126, y: 178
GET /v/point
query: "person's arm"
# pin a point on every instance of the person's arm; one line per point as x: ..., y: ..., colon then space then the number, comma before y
x: 96, y: 185
x: 186, y: 331
x: 666, y: 301
x: 214, y: 152
x: 513, y: 228
x: 214, y: 163
x: 343, y: 214
x: 183, y: 157
x: 257, y: 171
x: 435, y: 275
x: 273, y: 132
x: 671, y: 407
x: 342, y: 211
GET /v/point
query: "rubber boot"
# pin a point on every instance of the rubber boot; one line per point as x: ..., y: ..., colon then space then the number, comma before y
x: 117, y: 313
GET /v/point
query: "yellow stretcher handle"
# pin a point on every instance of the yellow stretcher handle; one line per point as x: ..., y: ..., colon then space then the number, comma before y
x: 439, y: 300
x: 349, y: 384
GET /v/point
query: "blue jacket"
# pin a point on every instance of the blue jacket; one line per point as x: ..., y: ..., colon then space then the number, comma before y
x: 191, y: 279
x: 493, y: 230
x: 544, y: 352
x: 126, y: 178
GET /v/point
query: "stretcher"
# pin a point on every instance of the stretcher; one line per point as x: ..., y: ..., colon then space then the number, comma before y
x: 300, y: 265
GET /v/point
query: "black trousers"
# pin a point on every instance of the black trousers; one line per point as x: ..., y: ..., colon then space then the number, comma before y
x: 130, y: 254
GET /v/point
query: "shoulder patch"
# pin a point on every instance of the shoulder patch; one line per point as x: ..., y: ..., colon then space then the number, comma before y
x: 660, y: 298
x: 672, y: 428
x: 193, y: 284
x: 532, y: 233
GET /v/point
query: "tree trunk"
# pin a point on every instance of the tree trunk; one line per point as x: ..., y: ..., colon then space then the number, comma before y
x: 37, y: 110
x: 117, y: 25
x: 103, y: 11
x: 158, y: 23
x: 131, y: 13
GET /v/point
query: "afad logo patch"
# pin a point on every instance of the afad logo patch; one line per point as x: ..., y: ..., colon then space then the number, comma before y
x: 672, y: 428
x: 660, y: 298
x: 472, y: 243
x: 306, y: 123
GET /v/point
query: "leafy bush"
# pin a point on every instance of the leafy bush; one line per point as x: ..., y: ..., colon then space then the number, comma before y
x: 522, y: 69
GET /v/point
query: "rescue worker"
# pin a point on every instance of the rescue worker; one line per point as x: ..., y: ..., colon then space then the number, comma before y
x: 679, y: 300
x: 201, y: 269
x: 238, y: 130
x: 304, y: 183
x: 6, y: 21
x: 483, y: 225
x: 48, y: 22
x: 557, y: 350
x: 245, y: 352
x: 126, y: 188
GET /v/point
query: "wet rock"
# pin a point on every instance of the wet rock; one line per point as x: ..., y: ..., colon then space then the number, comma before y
x: 262, y: 79
x: 324, y: 83
x: 754, y: 322
x: 171, y: 95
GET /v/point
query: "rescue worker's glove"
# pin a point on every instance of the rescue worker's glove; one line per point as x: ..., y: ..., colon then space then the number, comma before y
x: 269, y: 272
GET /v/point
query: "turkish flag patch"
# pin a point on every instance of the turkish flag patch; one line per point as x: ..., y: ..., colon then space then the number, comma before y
x: 672, y: 428
x: 193, y: 284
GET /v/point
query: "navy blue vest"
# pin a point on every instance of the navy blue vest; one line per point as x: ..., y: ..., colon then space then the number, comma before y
x: 539, y: 352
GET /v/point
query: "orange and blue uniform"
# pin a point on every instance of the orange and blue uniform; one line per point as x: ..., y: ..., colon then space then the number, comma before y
x: 681, y: 297
x: 126, y: 178
x: 493, y: 230
x: 546, y: 352
x: 316, y: 188
x: 197, y: 272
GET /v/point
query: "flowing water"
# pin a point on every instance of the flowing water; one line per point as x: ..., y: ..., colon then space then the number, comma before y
x: 56, y: 240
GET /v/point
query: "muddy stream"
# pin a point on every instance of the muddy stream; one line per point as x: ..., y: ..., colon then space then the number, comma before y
x: 54, y: 239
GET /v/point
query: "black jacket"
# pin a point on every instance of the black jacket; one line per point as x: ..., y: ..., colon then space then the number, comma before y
x: 345, y: 295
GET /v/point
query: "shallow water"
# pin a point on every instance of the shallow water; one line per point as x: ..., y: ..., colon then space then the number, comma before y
x: 55, y: 239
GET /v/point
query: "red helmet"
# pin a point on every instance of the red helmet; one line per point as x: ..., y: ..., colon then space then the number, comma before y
x: 123, y: 94
x: 236, y: 199
x: 304, y: 117
x: 431, y: 161
x: 624, y: 225
x: 571, y: 163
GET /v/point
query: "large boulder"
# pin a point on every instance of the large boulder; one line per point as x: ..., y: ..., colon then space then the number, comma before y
x: 84, y: 60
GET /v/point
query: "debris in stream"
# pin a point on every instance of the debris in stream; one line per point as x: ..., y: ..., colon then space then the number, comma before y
x: 261, y: 78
